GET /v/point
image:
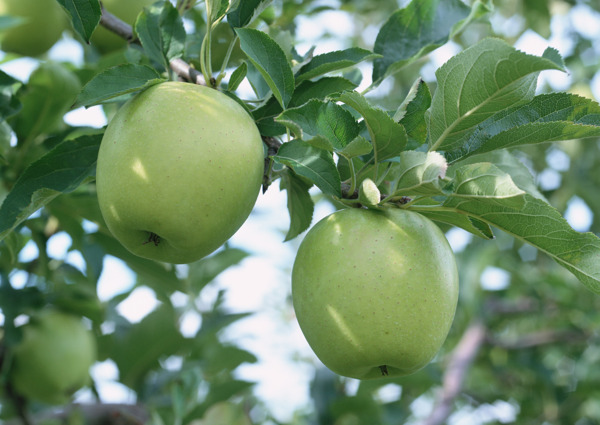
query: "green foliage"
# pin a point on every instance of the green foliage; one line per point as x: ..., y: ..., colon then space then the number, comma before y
x: 365, y: 123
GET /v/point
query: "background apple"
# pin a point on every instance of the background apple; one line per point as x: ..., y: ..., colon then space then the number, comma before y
x: 375, y: 291
x: 127, y: 10
x: 43, y: 25
x: 53, y: 359
x: 179, y: 170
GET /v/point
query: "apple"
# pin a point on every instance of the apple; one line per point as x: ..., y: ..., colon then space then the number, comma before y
x: 127, y: 10
x: 179, y: 171
x: 375, y: 292
x: 43, y: 24
x: 52, y: 360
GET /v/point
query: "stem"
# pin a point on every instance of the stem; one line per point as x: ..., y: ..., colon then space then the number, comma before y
x: 122, y: 29
x: 226, y: 60
x: 352, y: 176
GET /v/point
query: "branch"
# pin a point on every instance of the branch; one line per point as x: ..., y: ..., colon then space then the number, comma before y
x: 535, y: 339
x: 124, y: 30
x: 115, y: 413
x: 459, y: 363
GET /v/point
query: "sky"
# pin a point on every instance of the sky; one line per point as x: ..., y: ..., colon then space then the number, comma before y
x: 261, y: 283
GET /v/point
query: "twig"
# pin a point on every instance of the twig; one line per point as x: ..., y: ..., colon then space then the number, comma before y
x: 535, y: 339
x: 459, y: 363
x: 108, y: 413
x: 123, y: 29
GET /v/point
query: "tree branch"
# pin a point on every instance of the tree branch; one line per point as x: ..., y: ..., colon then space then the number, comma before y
x: 183, y: 69
x: 94, y: 414
x: 459, y: 363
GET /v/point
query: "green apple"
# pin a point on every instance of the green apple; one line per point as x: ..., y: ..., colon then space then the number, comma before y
x: 43, y: 24
x: 375, y: 292
x: 179, y: 171
x: 127, y: 10
x: 52, y: 360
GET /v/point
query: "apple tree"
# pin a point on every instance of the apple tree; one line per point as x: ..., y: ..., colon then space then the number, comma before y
x: 426, y: 121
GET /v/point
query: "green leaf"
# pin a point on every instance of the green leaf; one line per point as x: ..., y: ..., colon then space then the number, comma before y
x: 137, y: 349
x: 416, y: 30
x: 315, y: 164
x: 217, y: 8
x: 388, y: 137
x: 206, y: 270
x: 412, y: 113
x: 237, y: 77
x: 85, y: 16
x: 547, y: 118
x: 61, y: 170
x: 161, y: 32
x: 270, y: 60
x: 333, y: 61
x: 9, y: 102
x: 243, y: 12
x: 487, y: 194
x: 307, y: 90
x: 48, y: 95
x: 465, y: 222
x: 480, y: 82
x: 318, y: 119
x: 117, y: 81
x: 417, y: 173
x: 357, y: 147
x: 508, y: 163
x: 299, y: 203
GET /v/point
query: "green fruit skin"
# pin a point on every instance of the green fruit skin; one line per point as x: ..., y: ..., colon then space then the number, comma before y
x: 44, y: 25
x: 375, y: 288
x: 53, y: 359
x: 127, y: 10
x: 181, y: 161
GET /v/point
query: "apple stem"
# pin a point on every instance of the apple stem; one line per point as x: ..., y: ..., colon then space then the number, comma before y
x: 384, y: 371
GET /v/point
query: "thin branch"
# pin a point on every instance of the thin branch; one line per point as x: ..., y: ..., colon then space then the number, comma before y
x: 183, y: 69
x: 543, y: 337
x: 108, y: 413
x: 460, y: 361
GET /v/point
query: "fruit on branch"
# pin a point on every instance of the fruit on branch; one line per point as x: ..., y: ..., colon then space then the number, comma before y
x: 43, y: 22
x: 52, y: 360
x: 179, y: 170
x: 375, y: 292
x: 127, y: 10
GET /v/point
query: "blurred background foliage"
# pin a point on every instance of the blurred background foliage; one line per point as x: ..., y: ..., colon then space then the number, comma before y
x: 524, y: 347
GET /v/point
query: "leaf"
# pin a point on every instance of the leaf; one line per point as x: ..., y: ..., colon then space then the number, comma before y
x: 307, y: 90
x: 480, y: 82
x: 243, y: 12
x: 9, y: 102
x: 318, y: 119
x: 484, y: 194
x: 48, y: 95
x: 61, y: 170
x: 299, y: 203
x: 414, y: 31
x: 270, y: 60
x: 357, y: 147
x: 315, y: 164
x: 137, y: 349
x: 206, y: 270
x: 161, y: 32
x: 508, y: 163
x: 85, y: 16
x: 412, y: 112
x: 237, y: 77
x: 417, y: 173
x: 217, y: 8
x: 333, y: 61
x: 117, y: 81
x: 546, y: 118
x: 388, y: 137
